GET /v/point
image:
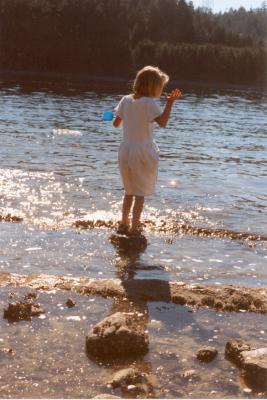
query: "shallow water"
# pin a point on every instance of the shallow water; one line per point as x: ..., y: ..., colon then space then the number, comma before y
x: 59, y: 164
x: 49, y: 360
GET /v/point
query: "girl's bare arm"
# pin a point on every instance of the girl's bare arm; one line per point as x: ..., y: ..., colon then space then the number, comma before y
x: 162, y: 120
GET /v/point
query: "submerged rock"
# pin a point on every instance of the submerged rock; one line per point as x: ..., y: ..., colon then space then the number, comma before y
x: 234, y: 349
x: 207, y: 354
x: 138, y: 390
x: 70, y: 303
x: 22, y: 310
x: 116, y: 336
x: 188, y: 373
x: 126, y: 377
x: 6, y: 351
x: 30, y: 296
x: 132, y: 382
x: 106, y: 396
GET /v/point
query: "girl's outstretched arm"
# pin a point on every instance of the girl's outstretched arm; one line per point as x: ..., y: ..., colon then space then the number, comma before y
x: 162, y: 120
x: 117, y: 121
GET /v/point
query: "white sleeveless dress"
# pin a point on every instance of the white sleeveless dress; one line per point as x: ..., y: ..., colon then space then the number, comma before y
x: 138, y: 153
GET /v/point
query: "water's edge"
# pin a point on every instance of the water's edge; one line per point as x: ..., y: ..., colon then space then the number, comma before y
x: 105, y: 81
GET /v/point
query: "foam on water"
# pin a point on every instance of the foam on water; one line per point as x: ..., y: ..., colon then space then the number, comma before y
x: 71, y: 132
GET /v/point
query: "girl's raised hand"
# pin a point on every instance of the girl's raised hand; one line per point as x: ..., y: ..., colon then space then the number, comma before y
x: 175, y: 94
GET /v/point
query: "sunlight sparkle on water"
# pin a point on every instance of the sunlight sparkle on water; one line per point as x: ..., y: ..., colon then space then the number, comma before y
x: 102, y: 215
x: 173, y: 183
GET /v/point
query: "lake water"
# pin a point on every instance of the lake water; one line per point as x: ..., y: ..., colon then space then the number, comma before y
x: 58, y: 163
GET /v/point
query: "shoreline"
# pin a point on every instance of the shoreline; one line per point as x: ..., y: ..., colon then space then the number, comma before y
x: 108, y: 82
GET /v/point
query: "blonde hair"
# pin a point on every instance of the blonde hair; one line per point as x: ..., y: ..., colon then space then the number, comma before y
x: 150, y: 81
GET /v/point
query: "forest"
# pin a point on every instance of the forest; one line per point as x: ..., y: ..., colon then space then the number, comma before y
x: 114, y: 38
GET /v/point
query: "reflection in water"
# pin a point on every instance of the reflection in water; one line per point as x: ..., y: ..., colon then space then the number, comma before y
x: 128, y: 252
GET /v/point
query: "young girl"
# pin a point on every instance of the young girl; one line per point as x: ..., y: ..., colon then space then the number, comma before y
x: 138, y: 153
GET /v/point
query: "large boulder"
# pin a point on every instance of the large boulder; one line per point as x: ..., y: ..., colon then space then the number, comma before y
x: 252, y: 362
x: 255, y: 367
x: 117, y: 336
x: 234, y: 349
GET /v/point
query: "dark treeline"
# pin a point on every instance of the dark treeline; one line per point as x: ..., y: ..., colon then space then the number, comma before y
x: 116, y: 37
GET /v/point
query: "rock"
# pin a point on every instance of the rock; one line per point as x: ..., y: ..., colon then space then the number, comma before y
x: 19, y: 310
x: 190, y: 374
x: 233, y: 350
x: 208, y: 301
x: 254, y: 364
x: 126, y: 377
x: 136, y: 390
x: 179, y: 299
x: 6, y: 351
x: 129, y: 243
x: 242, y: 301
x: 36, y: 310
x: 132, y: 382
x: 116, y: 336
x: 70, y: 303
x: 30, y: 296
x: 207, y: 354
x: 10, y: 218
x: 106, y: 396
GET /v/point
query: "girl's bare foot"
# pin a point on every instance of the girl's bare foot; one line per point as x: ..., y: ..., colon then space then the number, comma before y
x: 136, y: 230
x: 122, y: 229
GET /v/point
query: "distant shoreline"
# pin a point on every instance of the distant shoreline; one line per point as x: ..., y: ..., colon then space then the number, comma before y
x: 103, y: 81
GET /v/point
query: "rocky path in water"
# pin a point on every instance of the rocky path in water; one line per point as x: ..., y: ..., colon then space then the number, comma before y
x: 223, y: 297
x: 172, y: 226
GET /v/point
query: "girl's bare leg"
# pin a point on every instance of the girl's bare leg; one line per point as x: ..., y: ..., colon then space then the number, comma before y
x: 137, y: 211
x: 126, y: 208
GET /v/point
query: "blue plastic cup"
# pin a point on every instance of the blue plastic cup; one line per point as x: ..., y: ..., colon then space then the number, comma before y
x: 107, y: 116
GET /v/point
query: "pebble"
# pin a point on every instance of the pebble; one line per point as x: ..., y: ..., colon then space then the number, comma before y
x: 70, y: 303
x: 73, y: 318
